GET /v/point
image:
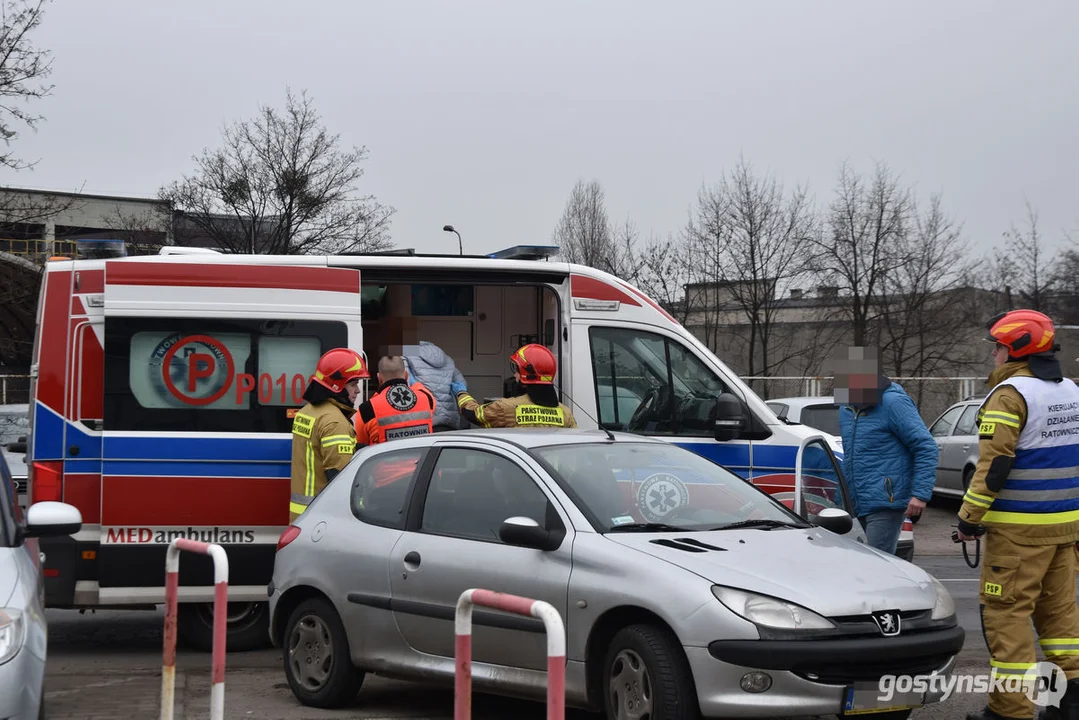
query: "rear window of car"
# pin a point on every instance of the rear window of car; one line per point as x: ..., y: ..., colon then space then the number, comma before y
x: 822, y: 417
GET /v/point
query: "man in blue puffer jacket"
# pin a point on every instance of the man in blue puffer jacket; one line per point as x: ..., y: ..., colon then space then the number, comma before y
x: 889, y: 457
x: 429, y: 364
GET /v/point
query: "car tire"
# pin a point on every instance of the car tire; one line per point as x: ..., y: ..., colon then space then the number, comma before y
x: 316, y: 657
x: 645, y: 665
x: 247, y: 627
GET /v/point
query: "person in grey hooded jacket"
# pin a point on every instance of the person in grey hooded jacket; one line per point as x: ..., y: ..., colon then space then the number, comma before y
x: 430, y: 365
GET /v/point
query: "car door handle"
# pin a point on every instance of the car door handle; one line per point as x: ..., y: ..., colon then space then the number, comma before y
x: 412, y: 560
x: 966, y: 447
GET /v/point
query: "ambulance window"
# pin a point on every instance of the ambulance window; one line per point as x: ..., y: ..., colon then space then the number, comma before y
x: 210, y: 375
x: 279, y: 359
x: 648, y: 383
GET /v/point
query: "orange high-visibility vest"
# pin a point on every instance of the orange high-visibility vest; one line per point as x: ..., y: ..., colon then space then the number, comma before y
x: 397, y: 410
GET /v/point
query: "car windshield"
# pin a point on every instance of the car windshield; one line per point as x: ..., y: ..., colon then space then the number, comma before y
x: 13, y: 425
x: 627, y: 486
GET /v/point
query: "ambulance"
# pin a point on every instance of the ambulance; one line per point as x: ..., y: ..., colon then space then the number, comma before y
x: 164, y: 386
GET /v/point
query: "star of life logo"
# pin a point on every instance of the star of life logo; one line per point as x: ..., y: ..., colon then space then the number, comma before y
x: 1044, y: 684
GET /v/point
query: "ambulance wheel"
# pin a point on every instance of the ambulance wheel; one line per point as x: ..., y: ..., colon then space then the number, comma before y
x: 247, y: 626
x: 316, y: 656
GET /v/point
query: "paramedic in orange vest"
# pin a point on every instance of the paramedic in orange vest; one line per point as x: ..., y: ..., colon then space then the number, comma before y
x: 397, y: 409
x: 536, y: 405
x: 323, y: 440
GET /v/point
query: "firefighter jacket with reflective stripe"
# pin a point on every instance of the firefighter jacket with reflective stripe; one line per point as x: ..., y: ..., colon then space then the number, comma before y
x: 1026, y: 485
x: 517, y: 411
x: 322, y: 439
x: 397, y: 410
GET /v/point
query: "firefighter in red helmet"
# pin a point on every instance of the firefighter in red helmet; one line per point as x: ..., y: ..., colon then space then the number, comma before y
x: 535, y: 405
x: 1024, y: 497
x: 323, y: 438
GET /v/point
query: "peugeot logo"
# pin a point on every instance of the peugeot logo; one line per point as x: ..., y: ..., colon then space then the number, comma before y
x: 887, y: 621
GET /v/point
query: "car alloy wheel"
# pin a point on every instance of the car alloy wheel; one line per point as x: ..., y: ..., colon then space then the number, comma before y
x: 631, y: 687
x: 310, y: 653
x: 316, y: 658
x: 646, y: 676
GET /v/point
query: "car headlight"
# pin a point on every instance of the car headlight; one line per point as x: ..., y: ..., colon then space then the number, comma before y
x: 770, y: 611
x: 12, y: 633
x: 944, y: 606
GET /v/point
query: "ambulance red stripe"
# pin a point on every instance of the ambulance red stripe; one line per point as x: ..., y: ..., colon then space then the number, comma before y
x: 84, y: 492
x: 224, y: 501
x: 280, y: 277
x: 582, y: 286
x: 53, y: 341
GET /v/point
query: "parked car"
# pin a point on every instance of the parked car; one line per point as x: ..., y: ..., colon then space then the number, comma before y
x: 822, y: 413
x: 956, y: 433
x: 683, y: 588
x: 14, y: 431
x: 23, y: 629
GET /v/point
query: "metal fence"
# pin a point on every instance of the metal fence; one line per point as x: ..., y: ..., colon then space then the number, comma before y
x: 932, y: 395
x: 14, y: 389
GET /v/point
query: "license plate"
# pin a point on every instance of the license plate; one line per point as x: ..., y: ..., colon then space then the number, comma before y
x: 864, y: 699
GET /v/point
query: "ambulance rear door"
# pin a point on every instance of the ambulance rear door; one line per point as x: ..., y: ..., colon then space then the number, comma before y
x: 206, y: 362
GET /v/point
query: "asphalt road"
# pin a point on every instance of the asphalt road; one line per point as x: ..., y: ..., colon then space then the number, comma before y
x: 107, y: 665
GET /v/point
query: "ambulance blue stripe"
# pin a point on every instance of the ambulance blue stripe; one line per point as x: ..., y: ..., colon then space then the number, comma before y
x: 1066, y: 456
x: 197, y: 469
x: 47, y: 438
x: 163, y: 447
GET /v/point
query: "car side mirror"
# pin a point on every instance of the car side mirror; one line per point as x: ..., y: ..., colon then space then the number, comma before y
x: 49, y: 518
x: 730, y: 419
x: 838, y: 521
x: 526, y: 532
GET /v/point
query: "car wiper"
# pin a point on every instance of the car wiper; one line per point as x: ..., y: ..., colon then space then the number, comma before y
x: 645, y: 527
x: 758, y: 524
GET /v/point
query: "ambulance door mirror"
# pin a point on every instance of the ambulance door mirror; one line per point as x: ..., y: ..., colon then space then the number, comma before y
x: 730, y: 418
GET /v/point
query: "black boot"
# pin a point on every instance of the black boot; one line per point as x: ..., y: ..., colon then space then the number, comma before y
x: 1069, y: 705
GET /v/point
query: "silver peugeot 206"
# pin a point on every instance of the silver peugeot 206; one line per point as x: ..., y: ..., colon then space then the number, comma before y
x: 685, y: 591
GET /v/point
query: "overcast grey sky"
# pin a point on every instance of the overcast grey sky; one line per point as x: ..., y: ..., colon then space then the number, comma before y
x: 484, y: 114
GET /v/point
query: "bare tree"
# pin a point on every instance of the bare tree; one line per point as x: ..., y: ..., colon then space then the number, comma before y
x: 663, y: 275
x: 866, y: 226
x: 924, y: 309
x: 1023, y: 268
x: 280, y: 185
x: 758, y: 237
x: 584, y: 231
x: 23, y: 67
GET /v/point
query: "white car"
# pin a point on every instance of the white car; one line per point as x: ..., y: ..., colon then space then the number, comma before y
x: 14, y: 430
x: 23, y: 629
x: 822, y: 414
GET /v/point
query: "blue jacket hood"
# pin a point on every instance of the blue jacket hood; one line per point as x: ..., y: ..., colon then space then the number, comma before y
x: 430, y: 365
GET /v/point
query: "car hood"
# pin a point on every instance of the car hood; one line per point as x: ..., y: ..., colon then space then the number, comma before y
x: 812, y: 567
x: 9, y: 575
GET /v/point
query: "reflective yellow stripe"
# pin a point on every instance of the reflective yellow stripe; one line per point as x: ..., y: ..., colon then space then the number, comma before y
x: 462, y: 399
x: 296, y: 508
x: 336, y: 440
x: 309, y: 461
x: 976, y: 499
x: 1060, y: 646
x: 1014, y: 668
x: 1019, y: 518
x: 1001, y: 417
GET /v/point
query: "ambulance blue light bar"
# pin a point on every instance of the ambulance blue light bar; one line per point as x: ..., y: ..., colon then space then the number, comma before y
x: 526, y: 252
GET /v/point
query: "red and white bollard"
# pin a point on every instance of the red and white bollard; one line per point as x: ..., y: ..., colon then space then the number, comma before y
x: 556, y: 647
x: 221, y: 596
